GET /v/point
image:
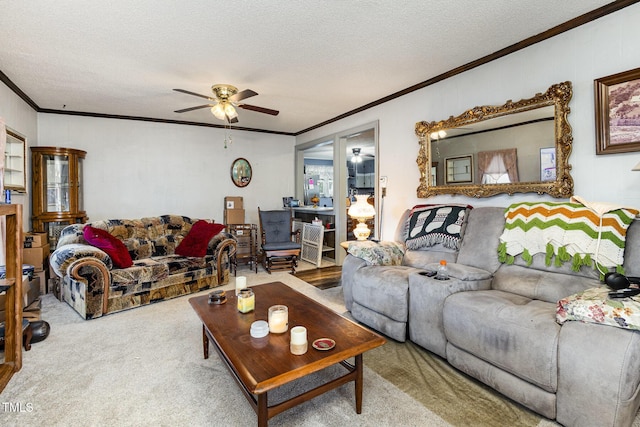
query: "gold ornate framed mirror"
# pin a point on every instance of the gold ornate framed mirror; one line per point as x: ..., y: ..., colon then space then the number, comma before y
x: 518, y: 147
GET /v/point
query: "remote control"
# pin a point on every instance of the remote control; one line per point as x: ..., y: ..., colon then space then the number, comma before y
x: 624, y: 293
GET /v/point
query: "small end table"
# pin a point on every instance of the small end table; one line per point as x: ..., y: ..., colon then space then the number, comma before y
x: 246, y: 236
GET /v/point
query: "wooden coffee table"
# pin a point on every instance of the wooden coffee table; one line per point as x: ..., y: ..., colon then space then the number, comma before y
x: 260, y: 365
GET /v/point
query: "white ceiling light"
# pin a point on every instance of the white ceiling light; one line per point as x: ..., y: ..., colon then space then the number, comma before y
x: 356, y: 156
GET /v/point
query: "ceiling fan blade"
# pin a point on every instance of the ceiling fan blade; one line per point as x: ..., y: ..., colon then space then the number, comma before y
x: 195, y: 94
x: 247, y: 93
x: 184, y: 110
x: 259, y: 109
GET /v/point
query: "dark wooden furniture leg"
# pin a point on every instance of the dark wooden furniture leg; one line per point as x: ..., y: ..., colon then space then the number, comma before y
x: 205, y: 342
x: 358, y: 382
x: 27, y: 335
x: 263, y: 410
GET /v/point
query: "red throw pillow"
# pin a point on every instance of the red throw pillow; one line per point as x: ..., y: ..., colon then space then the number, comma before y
x: 116, y: 250
x: 196, y: 241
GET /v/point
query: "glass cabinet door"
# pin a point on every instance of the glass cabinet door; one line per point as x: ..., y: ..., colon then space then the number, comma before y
x: 80, y: 184
x: 57, y: 188
x: 57, y: 183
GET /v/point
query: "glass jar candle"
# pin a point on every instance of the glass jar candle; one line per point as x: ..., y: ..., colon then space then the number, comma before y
x: 246, y: 301
x: 278, y: 319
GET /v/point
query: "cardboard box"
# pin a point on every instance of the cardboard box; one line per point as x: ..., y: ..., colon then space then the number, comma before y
x: 34, y: 240
x: 30, y: 293
x: 42, y: 276
x: 233, y: 202
x: 35, y: 256
x: 33, y: 311
x: 234, y: 216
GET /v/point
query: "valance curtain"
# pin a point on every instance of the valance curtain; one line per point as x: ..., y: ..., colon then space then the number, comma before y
x: 498, y: 166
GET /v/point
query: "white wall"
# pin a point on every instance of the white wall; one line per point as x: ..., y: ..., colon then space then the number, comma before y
x: 600, y: 48
x: 20, y: 117
x: 135, y: 169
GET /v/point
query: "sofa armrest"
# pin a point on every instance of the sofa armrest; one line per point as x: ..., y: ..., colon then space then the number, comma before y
x: 87, y: 269
x: 63, y: 257
x: 222, y: 247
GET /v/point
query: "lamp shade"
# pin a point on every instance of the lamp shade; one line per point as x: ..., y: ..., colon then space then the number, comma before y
x: 361, y: 209
x: 218, y: 111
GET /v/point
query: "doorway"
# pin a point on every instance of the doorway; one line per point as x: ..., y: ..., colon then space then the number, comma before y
x: 326, y: 166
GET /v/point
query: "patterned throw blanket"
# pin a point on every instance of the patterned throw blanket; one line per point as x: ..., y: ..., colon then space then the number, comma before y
x: 566, y: 232
x: 438, y: 224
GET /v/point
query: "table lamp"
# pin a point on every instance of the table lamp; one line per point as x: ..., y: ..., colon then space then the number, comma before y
x: 361, y: 210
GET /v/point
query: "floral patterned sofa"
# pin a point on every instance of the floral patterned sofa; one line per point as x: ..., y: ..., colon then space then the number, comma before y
x: 94, y: 287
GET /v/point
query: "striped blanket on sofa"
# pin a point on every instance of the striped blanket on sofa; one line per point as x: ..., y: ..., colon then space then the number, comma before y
x: 565, y: 232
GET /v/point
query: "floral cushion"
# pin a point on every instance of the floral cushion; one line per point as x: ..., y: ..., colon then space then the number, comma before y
x: 593, y: 305
x: 377, y: 253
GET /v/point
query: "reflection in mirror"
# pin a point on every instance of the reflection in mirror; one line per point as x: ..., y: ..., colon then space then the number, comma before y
x: 516, y: 147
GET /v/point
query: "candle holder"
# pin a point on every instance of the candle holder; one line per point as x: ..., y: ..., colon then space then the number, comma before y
x: 278, y: 319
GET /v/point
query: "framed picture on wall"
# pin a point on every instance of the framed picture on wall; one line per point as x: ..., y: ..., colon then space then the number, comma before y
x: 617, y: 104
x: 548, y: 164
x: 459, y: 169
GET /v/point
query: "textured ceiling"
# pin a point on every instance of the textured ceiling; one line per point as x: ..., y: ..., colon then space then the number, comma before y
x: 311, y: 60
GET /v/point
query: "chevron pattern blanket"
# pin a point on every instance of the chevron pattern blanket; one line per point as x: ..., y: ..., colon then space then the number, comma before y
x: 565, y: 232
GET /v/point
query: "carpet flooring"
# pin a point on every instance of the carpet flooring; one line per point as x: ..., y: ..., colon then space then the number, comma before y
x: 144, y: 367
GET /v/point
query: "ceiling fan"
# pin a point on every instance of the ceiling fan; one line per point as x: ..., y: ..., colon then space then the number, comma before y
x: 358, y: 156
x: 225, y: 100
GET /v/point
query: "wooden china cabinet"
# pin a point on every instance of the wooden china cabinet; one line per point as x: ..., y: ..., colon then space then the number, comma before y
x: 57, y: 188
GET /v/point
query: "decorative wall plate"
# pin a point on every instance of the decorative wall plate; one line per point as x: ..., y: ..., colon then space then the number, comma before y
x: 241, y: 172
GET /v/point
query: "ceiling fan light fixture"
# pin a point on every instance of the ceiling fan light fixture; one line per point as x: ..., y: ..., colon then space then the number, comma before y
x: 218, y: 111
x: 230, y: 111
x: 438, y: 135
x: 356, y: 155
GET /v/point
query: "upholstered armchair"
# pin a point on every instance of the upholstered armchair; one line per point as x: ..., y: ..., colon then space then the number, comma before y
x: 280, y: 245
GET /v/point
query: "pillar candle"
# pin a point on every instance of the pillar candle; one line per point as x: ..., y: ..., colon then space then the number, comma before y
x: 298, y: 343
x: 241, y: 283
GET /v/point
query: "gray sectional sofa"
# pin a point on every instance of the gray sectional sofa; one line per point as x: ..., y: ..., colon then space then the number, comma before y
x: 497, y: 321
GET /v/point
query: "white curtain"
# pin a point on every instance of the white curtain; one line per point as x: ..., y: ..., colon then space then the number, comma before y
x: 3, y: 143
x: 498, y: 166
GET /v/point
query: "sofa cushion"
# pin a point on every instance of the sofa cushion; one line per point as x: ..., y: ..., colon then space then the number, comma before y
x: 116, y: 250
x: 481, y: 238
x: 143, y: 271
x: 139, y: 248
x: 377, y: 253
x: 384, y: 289
x: 539, y: 284
x: 512, y: 332
x: 196, y: 241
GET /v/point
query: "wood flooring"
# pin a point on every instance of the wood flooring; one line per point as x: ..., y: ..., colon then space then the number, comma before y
x: 321, y: 278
